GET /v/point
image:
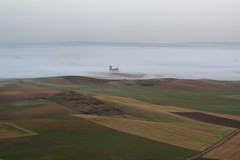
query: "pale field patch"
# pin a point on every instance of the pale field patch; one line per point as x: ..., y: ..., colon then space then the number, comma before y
x: 237, y: 97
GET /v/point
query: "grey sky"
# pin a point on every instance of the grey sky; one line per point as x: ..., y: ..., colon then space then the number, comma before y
x: 119, y: 20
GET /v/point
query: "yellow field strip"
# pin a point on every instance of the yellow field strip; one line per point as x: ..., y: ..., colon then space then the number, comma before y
x: 229, y: 150
x: 216, y: 145
x: 192, y: 136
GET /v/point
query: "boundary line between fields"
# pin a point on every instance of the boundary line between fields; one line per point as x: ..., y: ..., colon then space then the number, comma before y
x: 20, y: 128
x: 217, y: 144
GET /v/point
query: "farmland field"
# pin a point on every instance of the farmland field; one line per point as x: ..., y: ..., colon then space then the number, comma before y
x: 147, y: 126
x: 201, y: 95
x: 229, y: 150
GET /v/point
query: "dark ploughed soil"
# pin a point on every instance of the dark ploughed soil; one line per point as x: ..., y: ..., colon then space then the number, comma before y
x: 210, y: 119
x: 84, y: 104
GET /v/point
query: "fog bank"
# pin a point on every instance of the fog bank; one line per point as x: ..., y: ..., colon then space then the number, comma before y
x: 138, y: 62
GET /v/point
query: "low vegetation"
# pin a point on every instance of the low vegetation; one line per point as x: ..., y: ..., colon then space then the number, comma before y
x: 84, y: 103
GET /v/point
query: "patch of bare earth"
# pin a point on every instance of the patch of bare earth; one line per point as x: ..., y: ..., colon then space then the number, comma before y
x: 84, y: 104
x: 24, y: 92
x: 210, y: 119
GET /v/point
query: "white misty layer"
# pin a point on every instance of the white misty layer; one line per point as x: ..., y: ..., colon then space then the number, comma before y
x: 137, y: 62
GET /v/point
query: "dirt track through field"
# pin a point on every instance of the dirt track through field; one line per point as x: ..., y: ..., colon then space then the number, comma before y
x: 10, y: 133
x: 23, y: 129
x: 219, y: 143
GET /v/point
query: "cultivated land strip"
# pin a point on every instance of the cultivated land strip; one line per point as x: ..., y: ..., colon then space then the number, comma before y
x: 218, y: 144
x: 179, y: 134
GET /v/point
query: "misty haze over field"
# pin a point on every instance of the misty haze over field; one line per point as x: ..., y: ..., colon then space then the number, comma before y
x: 163, y: 60
x: 69, y: 37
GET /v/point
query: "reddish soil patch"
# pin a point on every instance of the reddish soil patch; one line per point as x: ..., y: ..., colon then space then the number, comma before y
x: 84, y: 104
x: 24, y: 92
x: 210, y: 119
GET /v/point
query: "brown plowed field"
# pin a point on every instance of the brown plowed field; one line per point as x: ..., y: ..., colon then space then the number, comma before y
x: 24, y: 92
x: 210, y: 119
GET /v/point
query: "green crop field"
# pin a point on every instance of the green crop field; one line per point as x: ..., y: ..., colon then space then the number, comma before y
x: 63, y: 137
